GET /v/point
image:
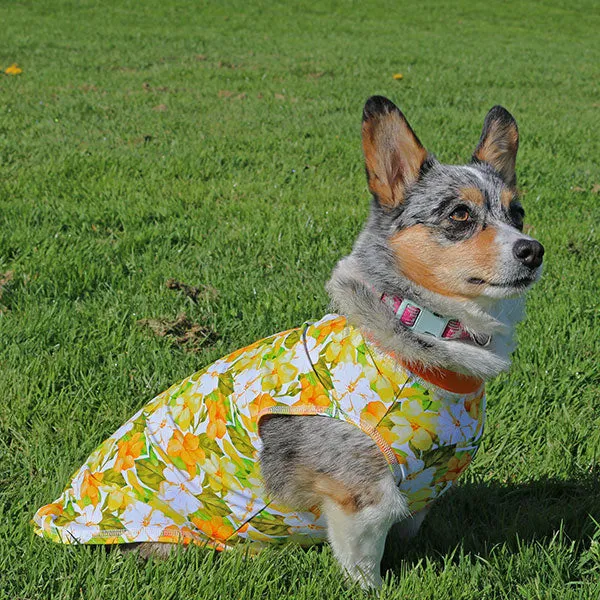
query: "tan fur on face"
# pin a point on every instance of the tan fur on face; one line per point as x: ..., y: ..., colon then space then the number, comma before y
x: 506, y: 197
x: 393, y: 156
x: 445, y: 269
x: 472, y: 194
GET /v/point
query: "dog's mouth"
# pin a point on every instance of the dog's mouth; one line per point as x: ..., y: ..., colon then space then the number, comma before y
x: 516, y: 284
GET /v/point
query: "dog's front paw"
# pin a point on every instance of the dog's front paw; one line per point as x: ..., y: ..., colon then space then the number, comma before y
x: 368, y: 578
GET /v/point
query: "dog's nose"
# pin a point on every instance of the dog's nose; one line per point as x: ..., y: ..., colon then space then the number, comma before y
x: 529, y: 252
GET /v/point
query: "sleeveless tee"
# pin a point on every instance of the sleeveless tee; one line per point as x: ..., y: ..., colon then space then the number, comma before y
x: 185, y: 467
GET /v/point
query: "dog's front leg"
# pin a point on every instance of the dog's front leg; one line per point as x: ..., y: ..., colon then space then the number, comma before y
x: 358, y: 537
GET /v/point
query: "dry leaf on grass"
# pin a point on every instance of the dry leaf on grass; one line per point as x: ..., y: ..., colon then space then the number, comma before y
x: 203, y: 292
x: 596, y: 188
x: 181, y: 331
x: 160, y: 108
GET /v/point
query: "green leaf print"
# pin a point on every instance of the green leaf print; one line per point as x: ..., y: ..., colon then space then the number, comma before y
x: 271, y: 528
x: 184, y: 387
x: 212, y: 505
x: 226, y: 383
x: 139, y: 426
x: 323, y: 374
x: 110, y: 522
x: 70, y: 510
x: 241, y: 440
x: 148, y: 473
x: 292, y: 338
x: 113, y: 478
x: 209, y: 445
x: 439, y: 456
x: 361, y: 354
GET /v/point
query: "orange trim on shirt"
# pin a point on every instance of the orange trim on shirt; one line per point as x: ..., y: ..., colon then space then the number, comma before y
x: 451, y: 381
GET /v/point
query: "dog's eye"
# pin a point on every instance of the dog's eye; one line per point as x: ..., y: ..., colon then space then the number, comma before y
x: 460, y: 214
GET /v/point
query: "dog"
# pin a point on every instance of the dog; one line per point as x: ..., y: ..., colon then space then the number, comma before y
x: 344, y: 427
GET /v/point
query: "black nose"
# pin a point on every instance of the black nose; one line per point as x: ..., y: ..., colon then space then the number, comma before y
x: 529, y: 252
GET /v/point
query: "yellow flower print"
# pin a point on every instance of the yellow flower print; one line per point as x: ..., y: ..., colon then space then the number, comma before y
x: 221, y: 473
x: 217, y: 417
x: 340, y: 350
x: 173, y: 534
x: 90, y: 484
x: 247, y: 358
x: 216, y: 528
x: 185, y: 467
x: 186, y: 447
x: 473, y: 406
x: 260, y: 403
x: 182, y: 411
x: 55, y: 509
x: 278, y: 373
x: 312, y: 395
x: 413, y: 424
x: 118, y: 500
x: 373, y: 413
x: 129, y: 450
x: 456, y: 466
x: 382, y: 387
x: 331, y: 326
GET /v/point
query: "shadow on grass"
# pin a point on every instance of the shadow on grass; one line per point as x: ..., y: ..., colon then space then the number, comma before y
x: 477, y: 517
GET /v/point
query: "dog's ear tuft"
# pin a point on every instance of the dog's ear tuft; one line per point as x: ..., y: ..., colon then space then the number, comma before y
x: 499, y: 144
x: 393, y: 153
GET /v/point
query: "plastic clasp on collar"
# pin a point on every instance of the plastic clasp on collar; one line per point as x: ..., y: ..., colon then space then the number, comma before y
x: 421, y: 320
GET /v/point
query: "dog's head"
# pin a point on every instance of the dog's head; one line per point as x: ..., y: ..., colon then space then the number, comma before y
x: 456, y: 231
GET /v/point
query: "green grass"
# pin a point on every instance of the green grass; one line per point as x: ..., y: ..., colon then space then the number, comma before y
x: 218, y: 143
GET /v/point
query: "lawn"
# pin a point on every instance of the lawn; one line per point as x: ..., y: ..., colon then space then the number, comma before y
x: 218, y: 144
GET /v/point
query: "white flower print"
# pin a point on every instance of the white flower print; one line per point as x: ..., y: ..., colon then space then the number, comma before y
x: 179, y: 490
x: 243, y: 504
x: 161, y: 426
x: 138, y: 516
x: 86, y: 525
x: 247, y: 385
x: 455, y: 424
x: 422, y: 480
x: 348, y: 378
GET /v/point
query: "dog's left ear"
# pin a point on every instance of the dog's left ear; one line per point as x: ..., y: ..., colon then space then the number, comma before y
x: 393, y: 153
x: 499, y: 144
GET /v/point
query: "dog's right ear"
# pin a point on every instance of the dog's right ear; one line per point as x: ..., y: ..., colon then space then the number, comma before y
x: 393, y: 153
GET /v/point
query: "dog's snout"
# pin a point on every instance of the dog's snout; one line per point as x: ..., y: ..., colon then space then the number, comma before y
x: 529, y: 252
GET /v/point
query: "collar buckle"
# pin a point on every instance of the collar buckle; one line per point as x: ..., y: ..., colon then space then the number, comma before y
x: 421, y: 320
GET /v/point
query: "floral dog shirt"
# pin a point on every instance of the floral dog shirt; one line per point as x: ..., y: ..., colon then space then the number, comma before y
x: 185, y: 467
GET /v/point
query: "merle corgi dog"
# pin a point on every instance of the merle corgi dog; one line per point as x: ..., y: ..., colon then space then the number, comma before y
x: 344, y: 427
x: 450, y: 240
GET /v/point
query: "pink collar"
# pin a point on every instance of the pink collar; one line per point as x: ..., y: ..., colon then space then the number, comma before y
x: 421, y: 320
